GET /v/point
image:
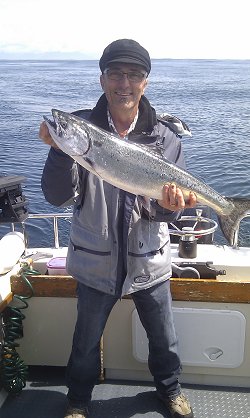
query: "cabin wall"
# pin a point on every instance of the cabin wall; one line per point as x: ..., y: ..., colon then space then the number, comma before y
x: 119, y: 361
x: 48, y: 331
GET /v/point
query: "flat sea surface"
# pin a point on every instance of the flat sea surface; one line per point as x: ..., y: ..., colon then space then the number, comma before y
x: 211, y: 96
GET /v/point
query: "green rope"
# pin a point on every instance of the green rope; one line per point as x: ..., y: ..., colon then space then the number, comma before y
x: 13, y: 371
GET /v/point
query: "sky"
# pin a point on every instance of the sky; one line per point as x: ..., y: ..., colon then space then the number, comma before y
x: 81, y: 29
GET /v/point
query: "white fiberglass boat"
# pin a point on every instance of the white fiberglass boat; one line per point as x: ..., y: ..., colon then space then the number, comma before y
x: 211, y: 300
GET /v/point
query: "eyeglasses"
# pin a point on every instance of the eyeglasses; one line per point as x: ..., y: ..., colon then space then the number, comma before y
x: 117, y: 75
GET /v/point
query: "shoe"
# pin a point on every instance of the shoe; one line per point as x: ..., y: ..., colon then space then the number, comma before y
x: 76, y: 412
x: 178, y: 407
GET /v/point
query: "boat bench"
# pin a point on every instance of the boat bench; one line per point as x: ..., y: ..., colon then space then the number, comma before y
x: 183, y: 289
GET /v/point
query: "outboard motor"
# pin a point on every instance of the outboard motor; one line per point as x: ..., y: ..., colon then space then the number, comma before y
x: 13, y: 209
x: 13, y: 204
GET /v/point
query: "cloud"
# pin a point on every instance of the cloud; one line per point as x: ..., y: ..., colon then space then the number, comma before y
x: 172, y: 29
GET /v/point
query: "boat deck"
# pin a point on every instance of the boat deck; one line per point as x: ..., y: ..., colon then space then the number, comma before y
x: 45, y: 397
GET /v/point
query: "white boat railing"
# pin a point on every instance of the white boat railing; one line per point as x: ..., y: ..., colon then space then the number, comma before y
x: 54, y: 217
x: 57, y: 216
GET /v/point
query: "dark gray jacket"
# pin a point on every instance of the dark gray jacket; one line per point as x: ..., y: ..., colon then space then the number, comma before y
x: 119, y: 242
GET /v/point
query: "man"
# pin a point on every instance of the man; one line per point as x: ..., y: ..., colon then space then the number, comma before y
x: 119, y: 242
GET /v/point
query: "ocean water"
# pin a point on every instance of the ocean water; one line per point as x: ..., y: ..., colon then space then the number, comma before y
x: 211, y: 96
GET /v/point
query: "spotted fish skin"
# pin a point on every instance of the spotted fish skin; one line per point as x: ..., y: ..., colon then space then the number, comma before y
x: 136, y: 168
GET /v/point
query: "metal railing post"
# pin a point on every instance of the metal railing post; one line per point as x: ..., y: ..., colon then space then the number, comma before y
x: 55, y: 217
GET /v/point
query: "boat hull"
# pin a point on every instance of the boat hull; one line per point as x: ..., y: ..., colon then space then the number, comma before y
x: 51, y: 315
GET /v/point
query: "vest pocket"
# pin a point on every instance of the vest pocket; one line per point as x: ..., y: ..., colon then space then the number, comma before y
x: 146, y: 268
x: 89, y: 258
x: 88, y: 250
x: 149, y: 256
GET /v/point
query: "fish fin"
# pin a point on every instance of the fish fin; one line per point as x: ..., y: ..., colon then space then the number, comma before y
x: 90, y: 166
x: 229, y: 224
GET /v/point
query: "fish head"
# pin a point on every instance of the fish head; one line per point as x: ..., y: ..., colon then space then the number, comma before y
x: 69, y: 133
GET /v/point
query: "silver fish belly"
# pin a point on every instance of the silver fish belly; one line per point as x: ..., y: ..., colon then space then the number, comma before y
x: 136, y: 168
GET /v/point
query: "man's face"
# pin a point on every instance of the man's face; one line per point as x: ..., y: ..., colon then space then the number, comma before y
x: 124, y: 84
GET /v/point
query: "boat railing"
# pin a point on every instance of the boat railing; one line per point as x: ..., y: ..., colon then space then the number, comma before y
x: 56, y: 216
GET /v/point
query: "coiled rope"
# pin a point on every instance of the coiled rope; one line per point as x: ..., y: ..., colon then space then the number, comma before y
x: 13, y: 371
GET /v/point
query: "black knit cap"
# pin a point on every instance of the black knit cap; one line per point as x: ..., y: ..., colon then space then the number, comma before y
x: 125, y: 51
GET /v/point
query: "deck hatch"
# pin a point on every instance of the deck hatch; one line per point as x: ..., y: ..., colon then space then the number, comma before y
x: 207, y: 337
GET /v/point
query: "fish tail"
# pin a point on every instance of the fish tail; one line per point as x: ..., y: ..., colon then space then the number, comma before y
x: 229, y: 224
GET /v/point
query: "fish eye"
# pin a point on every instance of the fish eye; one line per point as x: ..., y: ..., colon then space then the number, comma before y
x: 63, y: 124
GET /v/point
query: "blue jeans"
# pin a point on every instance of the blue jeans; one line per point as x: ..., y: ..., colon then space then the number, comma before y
x: 154, y: 306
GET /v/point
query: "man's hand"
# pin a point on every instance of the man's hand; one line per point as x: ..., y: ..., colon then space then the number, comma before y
x: 45, y: 135
x: 173, y: 199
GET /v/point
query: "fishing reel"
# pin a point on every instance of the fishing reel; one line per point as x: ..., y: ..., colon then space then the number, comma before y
x: 189, y: 234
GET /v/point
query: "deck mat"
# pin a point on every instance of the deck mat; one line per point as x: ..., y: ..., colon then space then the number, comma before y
x: 45, y: 397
